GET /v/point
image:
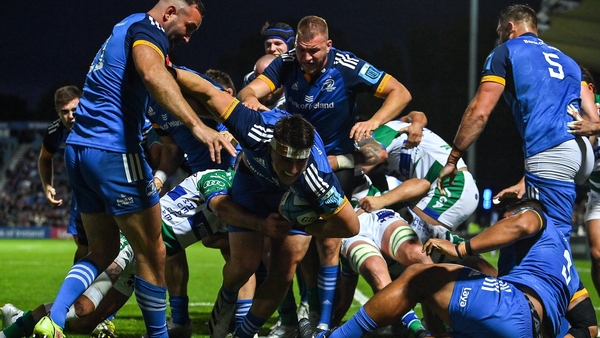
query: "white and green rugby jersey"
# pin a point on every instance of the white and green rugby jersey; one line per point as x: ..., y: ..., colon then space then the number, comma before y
x: 424, y: 161
x: 185, y: 215
x: 595, y: 175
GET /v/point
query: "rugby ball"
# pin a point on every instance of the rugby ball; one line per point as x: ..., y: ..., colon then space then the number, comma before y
x: 297, y: 210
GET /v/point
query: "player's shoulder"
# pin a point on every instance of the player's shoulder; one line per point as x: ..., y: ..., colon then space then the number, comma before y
x: 343, y: 60
x: 55, y: 127
x: 288, y: 57
x: 142, y: 20
x: 142, y: 26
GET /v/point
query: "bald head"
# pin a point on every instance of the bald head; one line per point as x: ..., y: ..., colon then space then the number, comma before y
x: 262, y: 63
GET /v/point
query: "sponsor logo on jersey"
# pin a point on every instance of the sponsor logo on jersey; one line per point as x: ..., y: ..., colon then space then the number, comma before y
x: 464, y: 296
x: 442, y: 200
x: 370, y: 73
x: 171, y: 124
x: 328, y: 85
x: 214, y: 183
x: 534, y: 42
x: 151, y: 188
x: 164, y: 116
x: 309, y: 98
x: 295, y: 86
x: 312, y: 105
x: 125, y: 200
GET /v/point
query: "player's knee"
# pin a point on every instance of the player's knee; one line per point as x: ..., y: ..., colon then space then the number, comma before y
x: 83, y: 306
x: 374, y: 270
x: 401, y: 238
x: 582, y: 318
x: 411, y: 252
x: 360, y: 253
x: 595, y: 254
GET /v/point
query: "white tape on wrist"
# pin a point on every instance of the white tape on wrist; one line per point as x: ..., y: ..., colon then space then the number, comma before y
x: 345, y: 161
x: 161, y: 176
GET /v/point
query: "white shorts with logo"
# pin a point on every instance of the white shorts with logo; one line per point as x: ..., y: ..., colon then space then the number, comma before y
x: 372, y: 228
x: 458, y: 203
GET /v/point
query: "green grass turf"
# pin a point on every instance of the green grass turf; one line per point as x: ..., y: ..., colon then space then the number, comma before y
x: 31, y: 272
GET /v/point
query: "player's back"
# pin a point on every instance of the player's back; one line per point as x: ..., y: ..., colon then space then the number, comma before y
x: 543, y: 263
x: 110, y: 115
x: 423, y: 161
x: 540, y: 83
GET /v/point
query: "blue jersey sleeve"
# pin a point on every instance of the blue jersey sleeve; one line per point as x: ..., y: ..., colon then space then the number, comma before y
x: 145, y: 32
x: 496, y: 66
x: 276, y: 73
x: 249, y: 127
x: 360, y: 76
x: 54, y: 137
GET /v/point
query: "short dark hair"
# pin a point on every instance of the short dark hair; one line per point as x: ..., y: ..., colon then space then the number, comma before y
x: 518, y: 13
x: 200, y: 5
x: 587, y: 77
x: 64, y: 95
x: 516, y: 204
x: 221, y: 78
x: 294, y: 131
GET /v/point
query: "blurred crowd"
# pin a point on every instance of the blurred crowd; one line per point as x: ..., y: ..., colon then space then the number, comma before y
x: 22, y: 201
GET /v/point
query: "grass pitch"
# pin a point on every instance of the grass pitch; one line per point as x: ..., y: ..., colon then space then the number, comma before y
x: 31, y: 272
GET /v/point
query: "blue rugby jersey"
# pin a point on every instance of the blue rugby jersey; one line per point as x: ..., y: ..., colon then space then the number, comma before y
x: 198, y: 156
x: 540, y: 82
x: 543, y: 263
x: 318, y: 184
x: 110, y: 114
x: 329, y: 101
x: 55, y: 137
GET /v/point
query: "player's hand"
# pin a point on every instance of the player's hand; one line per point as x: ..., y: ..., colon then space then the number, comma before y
x: 415, y: 135
x: 159, y: 184
x: 443, y: 246
x: 363, y: 130
x: 51, y: 197
x: 252, y: 103
x: 515, y: 191
x: 275, y: 226
x: 571, y: 110
x: 214, y: 141
x: 448, y: 172
x: 371, y: 203
x: 227, y: 135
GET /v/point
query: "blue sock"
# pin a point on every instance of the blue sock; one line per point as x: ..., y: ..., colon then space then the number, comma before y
x: 79, y: 278
x: 359, y: 325
x: 411, y: 322
x: 179, y: 309
x: 152, y: 300
x: 250, y: 326
x: 241, y: 310
x: 327, y: 282
x: 111, y: 317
